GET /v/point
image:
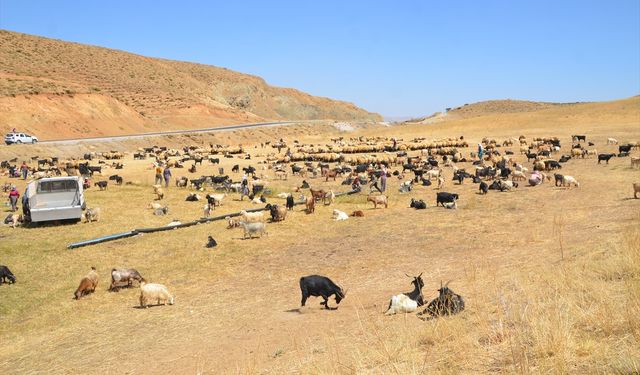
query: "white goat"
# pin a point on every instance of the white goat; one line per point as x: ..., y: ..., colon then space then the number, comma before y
x: 401, y: 303
x: 339, y: 215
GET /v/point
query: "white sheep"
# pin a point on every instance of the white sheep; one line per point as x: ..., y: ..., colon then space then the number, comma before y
x: 612, y: 141
x: 283, y: 195
x: 154, y: 206
x: 569, y: 180
x: 339, y: 215
x: 252, y: 217
x: 157, y: 293
x: 401, y: 303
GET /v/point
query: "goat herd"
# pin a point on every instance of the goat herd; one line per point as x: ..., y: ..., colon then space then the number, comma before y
x: 493, y: 170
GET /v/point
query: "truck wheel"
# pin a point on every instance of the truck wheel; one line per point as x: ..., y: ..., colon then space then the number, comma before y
x: 18, y: 142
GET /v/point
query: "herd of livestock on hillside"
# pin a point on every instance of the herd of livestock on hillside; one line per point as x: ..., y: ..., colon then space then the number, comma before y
x: 363, y: 164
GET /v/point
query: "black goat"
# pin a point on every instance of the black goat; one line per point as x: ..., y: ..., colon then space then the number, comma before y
x: 605, y: 157
x: 559, y: 178
x: 418, y: 204
x: 447, y: 303
x: 444, y: 197
x: 484, y: 188
x: 211, y: 242
x: 290, y: 202
x: 5, y: 273
x: 320, y: 286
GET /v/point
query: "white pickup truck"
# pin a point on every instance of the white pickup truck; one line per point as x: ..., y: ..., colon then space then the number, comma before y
x: 56, y: 198
x: 18, y: 138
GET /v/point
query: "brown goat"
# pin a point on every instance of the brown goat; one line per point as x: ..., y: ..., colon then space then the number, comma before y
x: 311, y: 204
x: 357, y: 213
x: 317, y: 194
x: 378, y: 200
x: 88, y: 284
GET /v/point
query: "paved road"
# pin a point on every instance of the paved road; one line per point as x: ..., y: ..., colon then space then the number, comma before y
x: 176, y: 132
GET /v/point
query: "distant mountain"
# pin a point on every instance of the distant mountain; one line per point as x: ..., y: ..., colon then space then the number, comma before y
x: 56, y: 89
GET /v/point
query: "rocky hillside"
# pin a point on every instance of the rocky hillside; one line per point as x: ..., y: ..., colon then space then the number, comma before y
x: 57, y: 89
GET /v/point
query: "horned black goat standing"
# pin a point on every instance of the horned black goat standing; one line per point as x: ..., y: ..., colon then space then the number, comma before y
x: 320, y: 286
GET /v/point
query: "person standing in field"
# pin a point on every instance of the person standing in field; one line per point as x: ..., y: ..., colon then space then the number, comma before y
x: 167, y: 176
x: 383, y: 178
x: 24, y: 170
x: 13, y: 198
x: 158, y: 174
x: 480, y: 151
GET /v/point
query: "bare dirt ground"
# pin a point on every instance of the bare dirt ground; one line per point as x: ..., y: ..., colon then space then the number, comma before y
x: 551, y: 276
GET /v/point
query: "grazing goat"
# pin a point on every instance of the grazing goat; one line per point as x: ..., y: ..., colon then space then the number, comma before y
x: 357, y: 213
x: 215, y: 199
x: 253, y: 228
x: 447, y: 303
x: 378, y: 200
x: 339, y: 215
x: 612, y: 141
x: 6, y: 274
x: 157, y: 293
x: 444, y: 197
x: 88, y: 284
x: 320, y: 286
x: 92, y: 214
x: 119, y: 275
x: 14, y: 220
x: 278, y: 213
x: 567, y: 181
x: 102, y: 185
x: 211, y: 243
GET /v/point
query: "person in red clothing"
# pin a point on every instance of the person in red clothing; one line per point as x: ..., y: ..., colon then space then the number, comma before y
x: 13, y: 197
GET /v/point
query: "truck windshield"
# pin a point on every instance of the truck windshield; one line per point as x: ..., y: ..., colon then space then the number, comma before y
x: 57, y: 186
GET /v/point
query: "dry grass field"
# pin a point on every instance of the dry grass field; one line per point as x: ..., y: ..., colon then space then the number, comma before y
x: 550, y: 275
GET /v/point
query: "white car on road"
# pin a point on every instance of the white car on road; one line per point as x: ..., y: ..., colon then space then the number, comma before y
x: 18, y: 138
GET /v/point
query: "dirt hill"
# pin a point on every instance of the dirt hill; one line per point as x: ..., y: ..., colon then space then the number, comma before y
x: 489, y: 107
x: 58, y: 89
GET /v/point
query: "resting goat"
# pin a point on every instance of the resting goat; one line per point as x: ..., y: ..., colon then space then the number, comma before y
x: 320, y: 286
x: 447, y: 303
x: 407, y: 302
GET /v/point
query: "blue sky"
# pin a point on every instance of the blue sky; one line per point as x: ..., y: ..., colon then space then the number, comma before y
x: 397, y: 58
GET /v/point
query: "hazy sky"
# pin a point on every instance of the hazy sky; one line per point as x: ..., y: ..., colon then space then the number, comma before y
x: 397, y: 58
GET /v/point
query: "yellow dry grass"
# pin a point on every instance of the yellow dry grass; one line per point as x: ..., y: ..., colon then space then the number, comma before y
x: 534, y: 304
